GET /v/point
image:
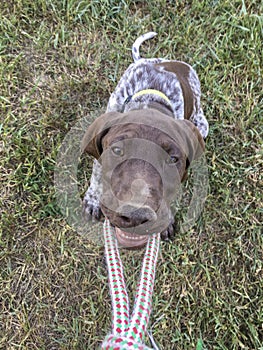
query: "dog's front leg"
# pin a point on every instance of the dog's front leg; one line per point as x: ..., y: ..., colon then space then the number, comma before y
x: 91, y: 201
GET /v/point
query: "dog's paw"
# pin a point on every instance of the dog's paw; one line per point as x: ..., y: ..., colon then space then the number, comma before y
x: 91, y: 206
x: 168, y: 234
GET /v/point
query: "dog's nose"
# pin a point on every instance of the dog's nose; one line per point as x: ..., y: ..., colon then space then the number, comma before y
x: 130, y: 216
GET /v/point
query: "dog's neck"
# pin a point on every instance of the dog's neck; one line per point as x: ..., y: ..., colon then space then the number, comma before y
x: 159, y: 106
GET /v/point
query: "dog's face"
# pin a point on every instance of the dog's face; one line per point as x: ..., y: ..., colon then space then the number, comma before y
x: 143, y: 164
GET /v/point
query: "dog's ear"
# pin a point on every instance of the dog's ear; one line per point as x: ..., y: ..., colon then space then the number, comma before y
x: 92, y: 140
x: 195, y: 145
x: 191, y: 141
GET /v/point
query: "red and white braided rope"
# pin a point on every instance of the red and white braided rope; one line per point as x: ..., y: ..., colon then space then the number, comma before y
x: 129, y: 331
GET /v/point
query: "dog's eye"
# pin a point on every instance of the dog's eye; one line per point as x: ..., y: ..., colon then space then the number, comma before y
x: 117, y: 151
x: 172, y: 160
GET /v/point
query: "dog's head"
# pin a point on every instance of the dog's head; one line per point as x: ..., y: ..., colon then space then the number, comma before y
x: 144, y: 156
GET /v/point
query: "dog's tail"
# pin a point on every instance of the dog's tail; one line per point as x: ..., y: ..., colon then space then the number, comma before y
x: 136, y: 46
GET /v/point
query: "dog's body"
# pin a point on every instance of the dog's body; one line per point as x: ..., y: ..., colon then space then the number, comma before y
x: 159, y: 101
x: 176, y: 80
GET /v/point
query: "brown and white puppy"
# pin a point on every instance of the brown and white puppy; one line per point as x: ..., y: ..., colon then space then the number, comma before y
x: 153, y: 129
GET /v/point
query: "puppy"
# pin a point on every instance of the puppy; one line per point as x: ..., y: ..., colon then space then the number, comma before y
x: 154, y: 127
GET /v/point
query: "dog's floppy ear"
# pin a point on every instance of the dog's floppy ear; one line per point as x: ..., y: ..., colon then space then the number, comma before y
x: 191, y: 141
x: 92, y: 140
x: 195, y: 144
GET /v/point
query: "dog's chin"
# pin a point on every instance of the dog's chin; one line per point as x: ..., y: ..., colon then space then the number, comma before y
x: 130, y: 240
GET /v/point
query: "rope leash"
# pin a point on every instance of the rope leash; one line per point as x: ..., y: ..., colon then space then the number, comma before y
x: 128, y: 331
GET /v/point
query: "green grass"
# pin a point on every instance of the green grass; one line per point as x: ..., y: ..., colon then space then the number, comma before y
x: 59, y: 62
